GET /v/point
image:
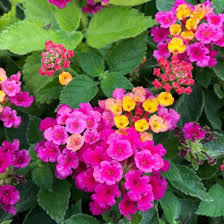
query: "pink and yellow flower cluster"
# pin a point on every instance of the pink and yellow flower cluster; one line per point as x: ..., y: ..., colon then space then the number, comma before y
x: 10, y: 93
x: 107, y: 162
x: 189, y: 31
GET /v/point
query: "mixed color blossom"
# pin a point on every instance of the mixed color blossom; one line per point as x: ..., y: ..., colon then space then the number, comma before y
x: 191, y: 32
x: 11, y: 158
x: 11, y: 94
x: 108, y: 162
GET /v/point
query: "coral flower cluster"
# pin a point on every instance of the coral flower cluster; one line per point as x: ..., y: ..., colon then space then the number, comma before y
x: 143, y: 111
x: 10, y: 93
x: 176, y: 75
x: 106, y: 162
x: 55, y: 58
x: 191, y: 139
x: 189, y: 31
x: 11, y: 158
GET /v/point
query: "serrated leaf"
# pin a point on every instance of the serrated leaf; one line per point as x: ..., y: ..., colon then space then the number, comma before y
x: 127, y: 54
x: 186, y: 180
x: 69, y: 17
x: 40, y: 10
x: 75, y: 208
x: 218, y: 91
x: 190, y: 106
x: 137, y: 218
x: 128, y: 22
x: 151, y: 216
x: 91, y: 63
x: 204, y: 76
x: 218, y: 5
x: 69, y: 39
x: 171, y: 206
x: 166, y: 5
x: 114, y: 80
x: 42, y: 176
x: 219, y: 70
x: 214, y: 208
x: 33, y: 132
x: 55, y: 203
x: 33, y: 80
x: 19, y: 39
x: 82, y: 219
x: 81, y: 89
x: 128, y: 2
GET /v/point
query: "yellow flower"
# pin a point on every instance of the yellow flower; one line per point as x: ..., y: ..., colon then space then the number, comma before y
x: 2, y: 96
x: 128, y: 103
x: 117, y: 109
x: 176, y: 45
x: 65, y: 78
x: 187, y: 35
x: 175, y: 29
x: 121, y: 121
x: 158, y: 124
x: 141, y: 125
x: 145, y: 136
x: 3, y: 76
x: 199, y: 11
x: 151, y: 105
x: 192, y: 23
x: 183, y: 11
x: 165, y: 99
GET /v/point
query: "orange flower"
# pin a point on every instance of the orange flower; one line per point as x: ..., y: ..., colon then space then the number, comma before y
x: 65, y: 78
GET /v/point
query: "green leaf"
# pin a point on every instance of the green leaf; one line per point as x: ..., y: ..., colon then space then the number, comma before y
x: 114, y: 80
x: 128, y: 22
x: 219, y: 70
x: 216, y: 148
x: 171, y: 145
x: 55, y: 203
x: 190, y: 106
x: 6, y: 222
x: 80, y: 90
x: 166, y: 5
x: 127, y: 54
x: 91, y: 63
x: 219, y: 6
x: 171, y: 206
x: 204, y: 77
x: 211, y: 108
x: 33, y: 130
x: 40, y: 10
x: 74, y: 208
x: 128, y: 2
x: 151, y: 216
x: 206, y: 171
x: 69, y: 17
x: 42, y: 176
x: 19, y: 39
x: 218, y: 91
x: 137, y: 218
x: 69, y: 39
x: 214, y: 208
x: 38, y: 216
x: 82, y: 219
x: 186, y: 180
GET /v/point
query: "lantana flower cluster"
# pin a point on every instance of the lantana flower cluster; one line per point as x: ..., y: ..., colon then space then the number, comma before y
x: 107, y: 162
x: 11, y: 94
x: 143, y: 111
x: 189, y: 31
x: 191, y: 139
x: 93, y: 7
x: 222, y: 166
x: 59, y: 3
x: 56, y: 58
x: 11, y: 159
x: 176, y: 75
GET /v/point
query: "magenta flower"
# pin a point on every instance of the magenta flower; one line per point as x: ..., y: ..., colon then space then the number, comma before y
x: 119, y: 150
x: 159, y: 34
x: 56, y: 134
x: 162, y: 51
x: 166, y: 19
x: 95, y: 208
x: 10, y: 118
x: 21, y: 159
x: 75, y: 124
x: 5, y: 160
x: 11, y: 88
x: 147, y: 162
x: 91, y: 136
x: 154, y: 149
x: 92, y: 120
x: 136, y: 184
x: 118, y: 93
x: 66, y: 162
x: 145, y: 203
x: 92, y: 7
x: 59, y: 3
x: 193, y: 131
x: 10, y: 147
x: 108, y: 172
x: 47, y: 123
x: 215, y: 20
x: 85, y: 181
x: 22, y: 99
x: 105, y: 195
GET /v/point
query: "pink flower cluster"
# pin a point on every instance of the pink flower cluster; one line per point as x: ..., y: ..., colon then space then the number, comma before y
x: 176, y: 75
x: 193, y: 131
x: 108, y: 164
x: 10, y: 156
x: 10, y: 92
x: 59, y: 3
x: 93, y: 7
x: 222, y: 166
x: 55, y: 58
x: 193, y: 29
